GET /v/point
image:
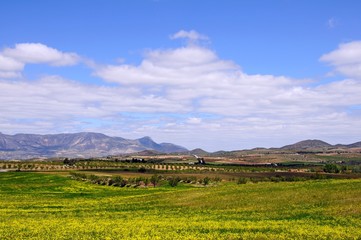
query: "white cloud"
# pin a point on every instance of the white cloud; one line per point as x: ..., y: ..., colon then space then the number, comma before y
x: 10, y: 64
x: 9, y: 67
x: 197, y: 78
x: 40, y: 53
x: 193, y: 70
x: 185, y: 65
x: 190, y: 35
x: 13, y: 60
x: 346, y: 59
x: 9, y: 74
x: 55, y: 98
x: 189, y: 96
x: 194, y: 120
x: 267, y: 105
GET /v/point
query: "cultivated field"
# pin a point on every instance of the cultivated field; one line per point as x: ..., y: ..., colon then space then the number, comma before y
x: 54, y: 206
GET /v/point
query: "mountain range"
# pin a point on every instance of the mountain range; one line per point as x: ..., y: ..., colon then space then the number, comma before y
x: 84, y: 144
x: 88, y: 144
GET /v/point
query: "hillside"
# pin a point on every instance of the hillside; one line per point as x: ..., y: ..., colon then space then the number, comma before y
x: 85, y: 144
x: 307, y: 144
x: 198, y: 152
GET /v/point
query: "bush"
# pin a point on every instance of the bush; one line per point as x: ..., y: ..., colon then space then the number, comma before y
x: 78, y: 176
x: 146, y: 181
x: 217, y: 179
x: 119, y: 181
x: 93, y: 178
x: 331, y: 168
x: 173, y: 181
x: 255, y: 180
x: 154, y: 179
x: 356, y: 169
x: 206, y: 180
x: 242, y: 180
x: 275, y: 179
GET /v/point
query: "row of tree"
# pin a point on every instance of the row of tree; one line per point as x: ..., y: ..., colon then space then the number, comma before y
x: 154, y: 180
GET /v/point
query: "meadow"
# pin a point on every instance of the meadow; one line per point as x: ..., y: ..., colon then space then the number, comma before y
x: 51, y: 206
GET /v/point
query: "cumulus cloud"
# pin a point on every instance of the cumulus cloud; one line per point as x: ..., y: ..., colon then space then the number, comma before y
x: 346, y: 59
x: 10, y: 64
x: 196, y: 77
x: 190, y: 96
x: 253, y: 105
x: 53, y: 97
x: 190, y: 35
x: 40, y: 53
x: 185, y: 65
x: 9, y: 67
x: 13, y: 60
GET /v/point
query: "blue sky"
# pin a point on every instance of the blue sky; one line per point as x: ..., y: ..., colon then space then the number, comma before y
x: 210, y: 74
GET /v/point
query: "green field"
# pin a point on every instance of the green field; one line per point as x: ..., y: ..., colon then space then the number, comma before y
x: 42, y: 206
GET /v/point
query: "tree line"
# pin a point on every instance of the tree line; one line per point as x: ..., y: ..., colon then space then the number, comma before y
x: 153, y: 181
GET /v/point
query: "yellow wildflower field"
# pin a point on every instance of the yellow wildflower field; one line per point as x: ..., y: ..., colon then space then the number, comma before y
x: 40, y: 206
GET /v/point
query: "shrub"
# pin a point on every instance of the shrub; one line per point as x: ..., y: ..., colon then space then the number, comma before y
x: 217, y: 179
x: 331, y: 168
x: 154, y: 179
x: 93, y: 178
x: 206, y: 180
x: 173, y: 181
x: 146, y: 181
x: 242, y: 180
x: 119, y: 181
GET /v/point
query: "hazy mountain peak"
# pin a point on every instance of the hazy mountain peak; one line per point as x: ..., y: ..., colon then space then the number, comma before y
x: 146, y: 138
x: 83, y: 144
x: 306, y: 144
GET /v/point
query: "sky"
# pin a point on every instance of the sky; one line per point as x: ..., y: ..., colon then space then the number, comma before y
x: 216, y: 75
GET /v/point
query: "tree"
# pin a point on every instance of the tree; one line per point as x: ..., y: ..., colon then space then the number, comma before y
x: 118, y: 181
x: 93, y: 178
x: 146, y: 181
x: 331, y: 168
x: 206, y: 180
x: 154, y: 179
x: 173, y: 181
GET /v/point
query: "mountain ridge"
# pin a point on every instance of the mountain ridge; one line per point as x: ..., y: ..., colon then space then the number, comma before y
x: 307, y: 144
x: 83, y: 144
x: 91, y: 144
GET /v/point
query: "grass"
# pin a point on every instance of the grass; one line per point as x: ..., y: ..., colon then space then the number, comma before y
x: 41, y: 206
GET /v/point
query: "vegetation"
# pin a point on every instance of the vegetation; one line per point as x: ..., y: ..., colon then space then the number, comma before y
x: 242, y: 180
x: 331, y: 168
x: 170, y: 199
x: 41, y: 206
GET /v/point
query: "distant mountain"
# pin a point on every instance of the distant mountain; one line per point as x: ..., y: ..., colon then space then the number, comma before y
x: 148, y: 153
x: 162, y: 147
x: 354, y: 145
x: 85, y: 144
x: 88, y: 144
x: 307, y: 144
x: 199, y: 152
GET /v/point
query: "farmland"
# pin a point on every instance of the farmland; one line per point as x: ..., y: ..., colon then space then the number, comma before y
x: 54, y: 206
